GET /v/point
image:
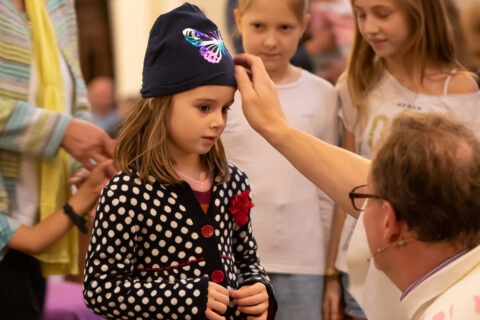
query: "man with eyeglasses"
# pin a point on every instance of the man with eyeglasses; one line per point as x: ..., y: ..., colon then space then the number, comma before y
x: 420, y: 196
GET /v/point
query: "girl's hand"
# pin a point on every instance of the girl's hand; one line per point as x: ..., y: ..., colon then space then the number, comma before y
x: 99, y: 177
x: 79, y: 177
x: 89, y: 192
x: 331, y: 300
x: 252, y: 300
x: 217, y: 301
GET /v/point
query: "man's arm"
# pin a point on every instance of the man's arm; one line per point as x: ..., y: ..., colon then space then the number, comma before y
x: 334, y: 170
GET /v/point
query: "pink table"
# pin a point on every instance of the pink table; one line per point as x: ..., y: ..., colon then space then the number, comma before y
x: 64, y: 301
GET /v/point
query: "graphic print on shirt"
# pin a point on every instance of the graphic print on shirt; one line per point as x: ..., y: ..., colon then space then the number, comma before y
x: 381, y: 121
x: 477, y: 304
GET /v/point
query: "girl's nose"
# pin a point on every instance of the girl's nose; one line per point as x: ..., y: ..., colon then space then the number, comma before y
x: 270, y: 40
x: 218, y: 120
x: 370, y: 25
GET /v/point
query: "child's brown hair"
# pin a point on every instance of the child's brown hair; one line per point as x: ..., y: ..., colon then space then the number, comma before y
x: 142, y: 144
x: 431, y: 40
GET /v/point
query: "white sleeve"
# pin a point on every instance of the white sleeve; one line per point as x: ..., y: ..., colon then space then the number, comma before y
x: 347, y: 111
x: 330, y: 132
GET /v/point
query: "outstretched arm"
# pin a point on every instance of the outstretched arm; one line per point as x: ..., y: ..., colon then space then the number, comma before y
x: 39, y: 238
x: 334, y: 170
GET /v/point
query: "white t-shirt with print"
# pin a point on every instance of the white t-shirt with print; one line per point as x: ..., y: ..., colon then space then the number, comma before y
x: 389, y: 99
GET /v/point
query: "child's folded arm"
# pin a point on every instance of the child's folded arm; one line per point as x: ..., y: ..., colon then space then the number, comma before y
x: 248, y: 263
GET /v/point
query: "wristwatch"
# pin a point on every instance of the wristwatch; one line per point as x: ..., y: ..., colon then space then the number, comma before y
x: 331, y: 273
x: 76, y: 219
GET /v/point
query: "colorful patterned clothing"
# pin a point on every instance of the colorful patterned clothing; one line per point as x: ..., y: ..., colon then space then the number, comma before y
x: 8, y: 227
x: 153, y: 250
x: 24, y: 128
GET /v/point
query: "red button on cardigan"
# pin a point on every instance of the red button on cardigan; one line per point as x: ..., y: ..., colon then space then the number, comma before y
x: 217, y: 276
x: 207, y: 231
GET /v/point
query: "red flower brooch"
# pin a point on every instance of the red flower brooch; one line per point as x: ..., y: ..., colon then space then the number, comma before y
x: 240, y: 206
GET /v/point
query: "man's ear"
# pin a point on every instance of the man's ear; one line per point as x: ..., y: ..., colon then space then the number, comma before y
x: 238, y: 20
x: 392, y: 227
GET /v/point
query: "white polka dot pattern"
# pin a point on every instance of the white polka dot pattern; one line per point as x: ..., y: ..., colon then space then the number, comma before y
x: 149, y: 259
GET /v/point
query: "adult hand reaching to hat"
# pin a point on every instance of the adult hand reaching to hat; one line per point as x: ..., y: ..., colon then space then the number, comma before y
x: 260, y: 101
x: 305, y: 152
x: 86, y: 142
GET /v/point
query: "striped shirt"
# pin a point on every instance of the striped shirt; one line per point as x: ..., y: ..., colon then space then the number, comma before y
x: 24, y: 128
x: 8, y: 227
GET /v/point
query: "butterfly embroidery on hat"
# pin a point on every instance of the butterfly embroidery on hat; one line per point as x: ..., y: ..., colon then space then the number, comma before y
x: 211, y: 46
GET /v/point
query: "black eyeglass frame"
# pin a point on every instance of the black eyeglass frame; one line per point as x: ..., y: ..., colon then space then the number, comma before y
x: 356, y: 195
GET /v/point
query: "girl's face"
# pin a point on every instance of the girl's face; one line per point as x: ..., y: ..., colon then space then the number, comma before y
x: 384, y: 25
x: 197, y: 119
x: 270, y: 30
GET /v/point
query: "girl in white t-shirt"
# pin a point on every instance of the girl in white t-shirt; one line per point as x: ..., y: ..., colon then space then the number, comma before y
x: 291, y: 217
x: 403, y: 57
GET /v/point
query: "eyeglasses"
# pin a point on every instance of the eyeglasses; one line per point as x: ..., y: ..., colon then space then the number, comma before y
x: 357, y: 196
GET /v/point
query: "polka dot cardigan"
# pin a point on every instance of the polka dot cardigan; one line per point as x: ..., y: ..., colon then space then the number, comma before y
x: 153, y: 250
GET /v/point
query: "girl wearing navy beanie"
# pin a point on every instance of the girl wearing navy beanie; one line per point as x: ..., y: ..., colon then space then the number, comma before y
x: 172, y: 237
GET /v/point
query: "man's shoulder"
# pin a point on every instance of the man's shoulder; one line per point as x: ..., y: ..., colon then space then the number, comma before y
x: 461, y: 301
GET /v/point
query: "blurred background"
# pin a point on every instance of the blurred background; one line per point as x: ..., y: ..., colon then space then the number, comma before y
x: 113, y: 37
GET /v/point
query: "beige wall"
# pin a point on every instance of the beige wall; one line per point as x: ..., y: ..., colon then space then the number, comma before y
x: 131, y: 22
x: 464, y: 3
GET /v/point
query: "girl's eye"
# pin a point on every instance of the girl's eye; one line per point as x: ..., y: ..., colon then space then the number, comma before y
x: 225, y: 109
x: 383, y: 15
x: 203, y: 108
x: 361, y: 15
x: 285, y: 27
x: 383, y: 12
x: 256, y: 25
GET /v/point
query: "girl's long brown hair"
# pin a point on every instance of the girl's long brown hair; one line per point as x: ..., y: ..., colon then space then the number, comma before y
x: 142, y: 144
x: 432, y: 41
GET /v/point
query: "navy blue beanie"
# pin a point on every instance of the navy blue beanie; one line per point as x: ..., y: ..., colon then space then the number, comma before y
x: 185, y: 50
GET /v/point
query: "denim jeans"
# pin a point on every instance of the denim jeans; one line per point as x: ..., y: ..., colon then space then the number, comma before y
x: 299, y: 296
x: 351, y: 306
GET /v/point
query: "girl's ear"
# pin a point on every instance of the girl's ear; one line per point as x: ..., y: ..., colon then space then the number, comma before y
x: 238, y: 20
x: 306, y: 21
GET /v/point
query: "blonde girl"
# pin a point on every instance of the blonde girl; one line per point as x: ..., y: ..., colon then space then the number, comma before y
x: 172, y: 237
x: 403, y: 57
x: 291, y: 217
